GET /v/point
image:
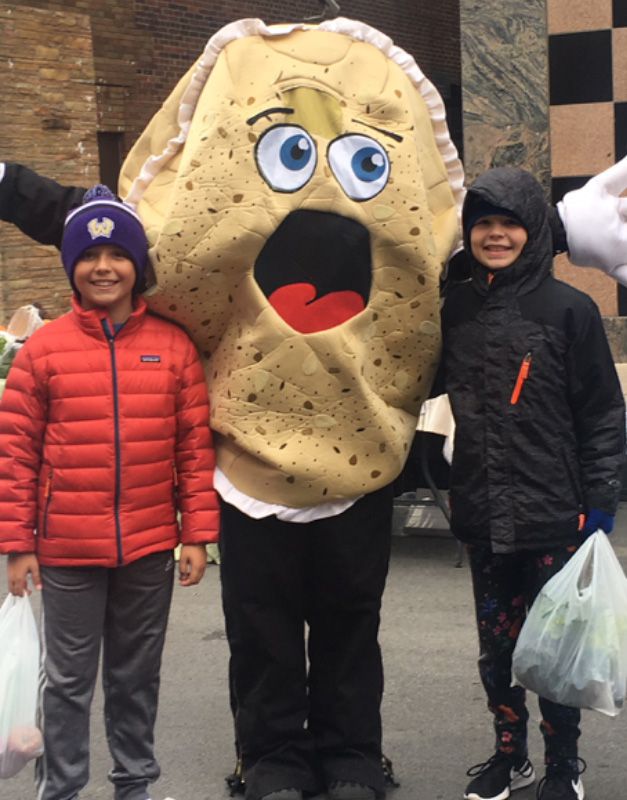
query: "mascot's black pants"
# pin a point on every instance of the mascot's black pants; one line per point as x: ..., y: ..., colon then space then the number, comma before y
x: 299, y: 726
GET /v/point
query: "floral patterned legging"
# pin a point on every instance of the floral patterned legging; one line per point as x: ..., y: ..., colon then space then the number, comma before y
x: 505, y: 586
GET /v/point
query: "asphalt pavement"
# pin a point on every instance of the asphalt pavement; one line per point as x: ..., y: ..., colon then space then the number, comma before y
x: 434, y: 717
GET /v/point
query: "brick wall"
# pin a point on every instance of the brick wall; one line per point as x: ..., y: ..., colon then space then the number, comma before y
x: 141, y: 48
x: 47, y: 120
x: 118, y: 47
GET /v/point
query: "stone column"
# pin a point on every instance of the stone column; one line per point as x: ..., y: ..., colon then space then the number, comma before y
x: 505, y: 92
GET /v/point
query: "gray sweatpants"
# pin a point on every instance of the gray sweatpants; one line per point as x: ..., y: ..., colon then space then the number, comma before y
x: 127, y: 609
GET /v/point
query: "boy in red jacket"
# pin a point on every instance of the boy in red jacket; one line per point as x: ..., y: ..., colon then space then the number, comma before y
x: 104, y: 437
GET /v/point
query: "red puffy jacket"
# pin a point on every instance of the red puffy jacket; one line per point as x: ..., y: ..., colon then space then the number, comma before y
x: 102, y: 438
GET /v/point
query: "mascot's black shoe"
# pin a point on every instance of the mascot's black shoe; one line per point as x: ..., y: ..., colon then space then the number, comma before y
x: 343, y: 790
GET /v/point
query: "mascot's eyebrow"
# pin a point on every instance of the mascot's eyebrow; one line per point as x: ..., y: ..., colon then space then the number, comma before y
x: 394, y: 136
x: 268, y: 112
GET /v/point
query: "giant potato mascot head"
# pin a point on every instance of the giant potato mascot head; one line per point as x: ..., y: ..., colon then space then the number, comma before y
x: 301, y: 193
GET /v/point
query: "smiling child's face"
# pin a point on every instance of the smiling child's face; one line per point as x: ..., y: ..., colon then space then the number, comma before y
x: 104, y: 277
x: 497, y: 241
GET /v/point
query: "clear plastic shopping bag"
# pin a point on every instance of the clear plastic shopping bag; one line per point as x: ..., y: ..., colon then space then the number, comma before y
x: 20, y: 739
x: 572, y: 648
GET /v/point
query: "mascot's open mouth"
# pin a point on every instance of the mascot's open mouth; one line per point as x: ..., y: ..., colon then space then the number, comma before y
x: 316, y: 270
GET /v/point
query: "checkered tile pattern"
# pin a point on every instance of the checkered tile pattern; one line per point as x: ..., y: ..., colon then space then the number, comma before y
x: 588, y: 92
x: 588, y: 88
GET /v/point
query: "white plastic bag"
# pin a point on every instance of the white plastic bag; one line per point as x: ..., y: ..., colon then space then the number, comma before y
x: 24, y: 322
x: 572, y: 648
x: 20, y: 739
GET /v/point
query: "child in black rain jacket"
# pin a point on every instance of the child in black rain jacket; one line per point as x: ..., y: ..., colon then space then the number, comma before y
x: 539, y: 443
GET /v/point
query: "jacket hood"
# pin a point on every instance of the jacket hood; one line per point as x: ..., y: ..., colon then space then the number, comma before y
x: 519, y: 192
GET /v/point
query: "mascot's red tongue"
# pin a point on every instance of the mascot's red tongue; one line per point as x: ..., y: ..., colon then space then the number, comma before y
x: 297, y: 305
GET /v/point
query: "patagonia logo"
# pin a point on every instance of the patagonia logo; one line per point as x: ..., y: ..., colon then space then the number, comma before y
x: 100, y: 228
x: 150, y: 359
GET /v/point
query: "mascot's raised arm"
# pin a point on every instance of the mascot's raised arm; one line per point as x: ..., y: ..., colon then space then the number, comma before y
x: 301, y: 195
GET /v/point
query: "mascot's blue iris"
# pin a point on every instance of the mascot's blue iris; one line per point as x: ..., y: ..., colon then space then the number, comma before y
x: 295, y: 152
x: 368, y: 164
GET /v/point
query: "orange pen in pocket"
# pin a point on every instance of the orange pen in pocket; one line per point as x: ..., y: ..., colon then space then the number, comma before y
x: 523, y: 374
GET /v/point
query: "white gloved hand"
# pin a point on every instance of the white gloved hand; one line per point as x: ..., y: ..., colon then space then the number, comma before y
x: 595, y: 219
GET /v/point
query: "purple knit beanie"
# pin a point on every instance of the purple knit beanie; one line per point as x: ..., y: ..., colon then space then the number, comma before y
x: 104, y: 219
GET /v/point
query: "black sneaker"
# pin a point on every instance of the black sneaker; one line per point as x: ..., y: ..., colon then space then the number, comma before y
x: 497, y: 778
x: 562, y: 782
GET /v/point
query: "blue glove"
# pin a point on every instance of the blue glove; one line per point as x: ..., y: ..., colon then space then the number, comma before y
x: 597, y: 519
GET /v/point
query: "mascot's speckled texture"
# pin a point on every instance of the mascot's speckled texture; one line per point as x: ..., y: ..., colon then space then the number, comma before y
x: 300, y: 192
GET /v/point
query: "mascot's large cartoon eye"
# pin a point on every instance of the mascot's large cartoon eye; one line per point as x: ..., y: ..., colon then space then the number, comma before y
x: 360, y: 164
x: 286, y: 157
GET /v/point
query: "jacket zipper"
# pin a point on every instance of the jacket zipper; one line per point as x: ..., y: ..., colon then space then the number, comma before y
x: 523, y: 374
x: 116, y: 427
x: 175, y: 479
x: 48, y: 498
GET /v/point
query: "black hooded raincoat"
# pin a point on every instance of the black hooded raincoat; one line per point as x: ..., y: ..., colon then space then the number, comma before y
x: 540, y: 416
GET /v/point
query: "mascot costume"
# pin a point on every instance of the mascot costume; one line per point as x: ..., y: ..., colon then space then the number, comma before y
x: 301, y: 195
